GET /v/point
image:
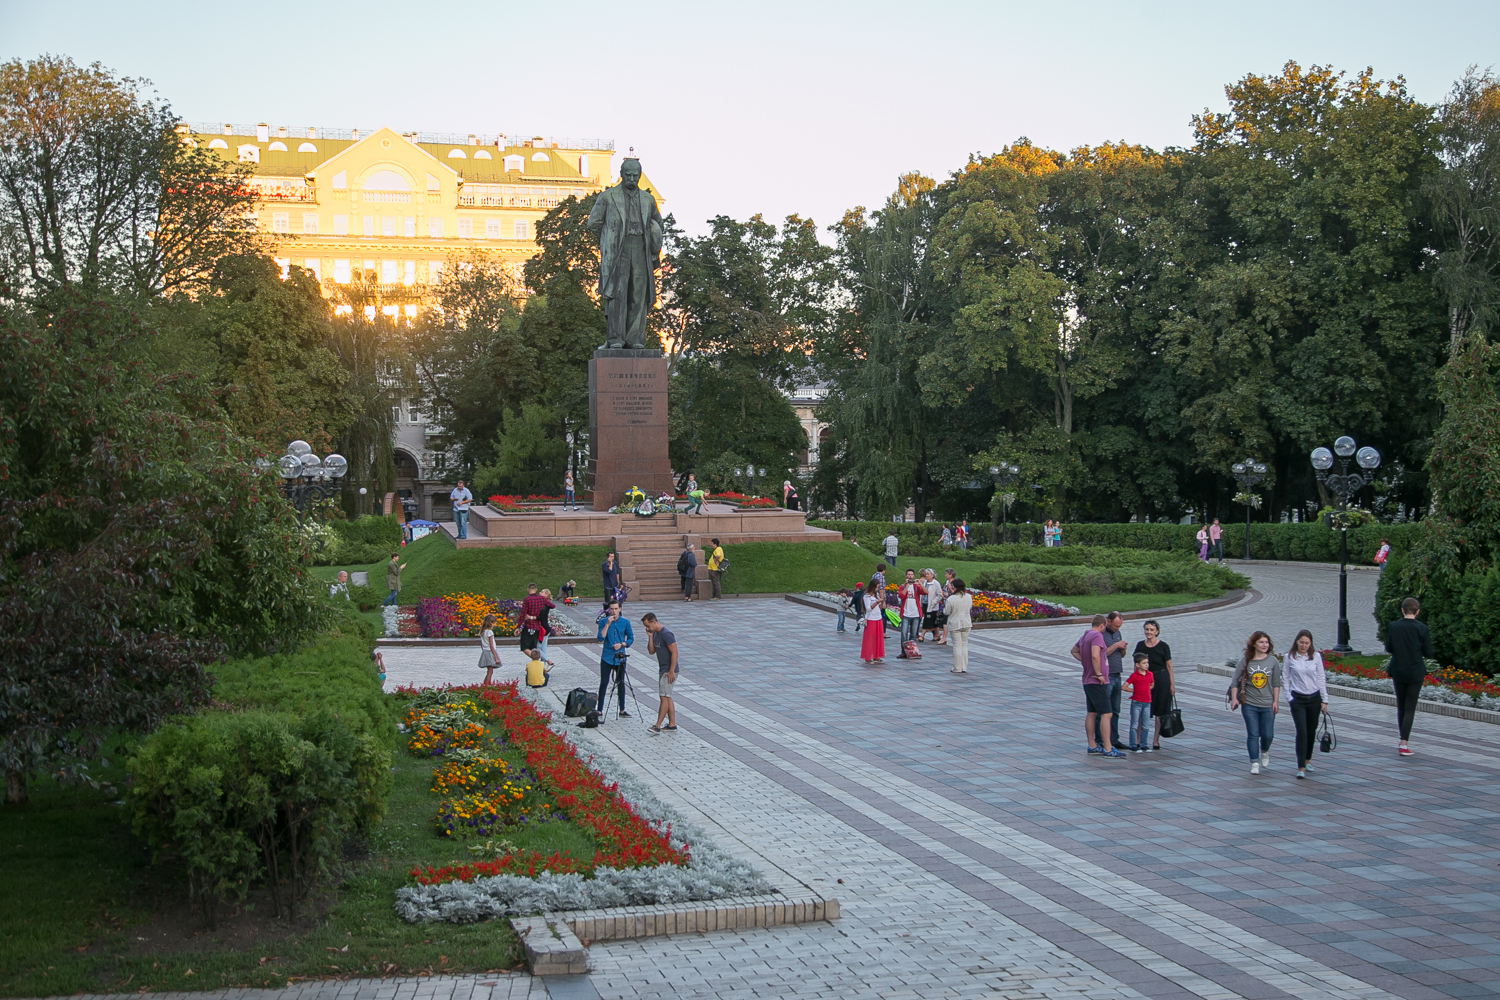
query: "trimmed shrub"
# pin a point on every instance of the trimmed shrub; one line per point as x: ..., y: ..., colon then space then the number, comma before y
x: 1305, y: 542
x: 1186, y: 577
x: 240, y: 797
x: 1462, y: 610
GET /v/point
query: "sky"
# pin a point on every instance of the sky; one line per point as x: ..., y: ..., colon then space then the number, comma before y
x: 773, y: 107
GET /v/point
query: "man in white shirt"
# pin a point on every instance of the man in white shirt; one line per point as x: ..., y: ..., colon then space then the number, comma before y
x: 891, y: 543
x: 461, y: 498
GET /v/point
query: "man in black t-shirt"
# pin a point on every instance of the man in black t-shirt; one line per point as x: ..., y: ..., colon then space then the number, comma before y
x: 661, y: 641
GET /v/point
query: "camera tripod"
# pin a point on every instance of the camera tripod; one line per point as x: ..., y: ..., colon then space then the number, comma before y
x: 620, y: 675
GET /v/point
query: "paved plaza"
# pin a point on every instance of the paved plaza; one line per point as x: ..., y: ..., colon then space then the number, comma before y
x: 977, y: 852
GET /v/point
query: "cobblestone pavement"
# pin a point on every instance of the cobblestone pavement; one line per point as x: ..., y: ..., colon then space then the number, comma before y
x: 977, y: 852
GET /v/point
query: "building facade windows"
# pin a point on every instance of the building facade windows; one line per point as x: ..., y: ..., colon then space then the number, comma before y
x: 310, y: 223
x: 409, y: 272
x: 387, y: 272
x: 280, y: 223
x: 435, y: 228
x: 409, y: 226
x: 341, y: 225
x: 315, y: 265
x: 388, y: 225
x: 522, y: 229
x: 307, y: 147
x: 465, y: 228
x: 369, y: 225
x: 492, y: 229
x: 341, y: 270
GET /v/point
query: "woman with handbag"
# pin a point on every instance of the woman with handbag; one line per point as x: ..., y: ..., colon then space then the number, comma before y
x: 1255, y: 689
x: 872, y: 647
x: 1306, y: 695
x: 1164, y: 682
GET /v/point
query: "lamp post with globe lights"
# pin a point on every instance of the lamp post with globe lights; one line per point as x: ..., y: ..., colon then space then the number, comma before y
x: 1345, y: 485
x: 1248, y: 474
x: 748, y: 476
x: 1003, y: 475
x: 306, y: 477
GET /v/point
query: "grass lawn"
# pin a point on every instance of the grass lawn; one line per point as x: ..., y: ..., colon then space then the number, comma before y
x: 434, y: 567
x: 81, y: 904
x: 1090, y: 604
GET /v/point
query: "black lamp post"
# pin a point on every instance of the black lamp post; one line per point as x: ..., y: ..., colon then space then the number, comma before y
x: 748, y: 476
x: 1003, y: 476
x: 307, y: 477
x: 1248, y: 474
x: 1345, y: 485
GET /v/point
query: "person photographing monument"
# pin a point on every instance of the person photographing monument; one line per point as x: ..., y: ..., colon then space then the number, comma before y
x: 629, y: 228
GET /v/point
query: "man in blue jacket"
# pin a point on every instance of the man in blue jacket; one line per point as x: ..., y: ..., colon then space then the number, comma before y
x: 616, y: 634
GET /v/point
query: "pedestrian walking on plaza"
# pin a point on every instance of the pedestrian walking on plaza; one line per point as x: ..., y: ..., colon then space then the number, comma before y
x: 1139, y: 685
x: 1255, y: 689
x: 958, y: 608
x: 661, y: 642
x: 692, y: 484
x: 909, y: 598
x: 1114, y: 648
x: 1383, y: 553
x: 892, y: 543
x: 879, y: 577
x: 961, y: 536
x: 859, y: 606
x: 569, y: 500
x: 1202, y: 537
x: 1410, y: 646
x: 716, y: 568
x: 617, y: 635
x: 1090, y: 651
x: 460, y: 497
x: 1306, y: 695
x: 789, y: 498
x: 340, y: 586
x: 1164, y: 685
x: 695, y: 496
x: 393, y: 578
x: 872, y: 648
x: 933, y: 620
x: 489, y: 655
x: 611, y: 572
x: 946, y: 539
x: 845, y: 605
x: 687, y: 570
x: 1216, y: 540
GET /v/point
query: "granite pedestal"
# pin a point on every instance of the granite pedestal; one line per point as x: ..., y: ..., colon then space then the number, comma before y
x: 627, y: 425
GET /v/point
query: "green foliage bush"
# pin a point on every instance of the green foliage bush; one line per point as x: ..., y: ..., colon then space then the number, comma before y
x: 360, y: 542
x: 1462, y: 610
x: 365, y: 597
x: 1305, y: 542
x: 1071, y: 581
x: 240, y: 796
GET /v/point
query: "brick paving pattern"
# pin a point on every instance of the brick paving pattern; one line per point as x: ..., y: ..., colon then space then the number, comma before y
x: 976, y: 852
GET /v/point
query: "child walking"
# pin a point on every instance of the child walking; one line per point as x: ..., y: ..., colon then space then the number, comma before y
x: 846, y: 604
x: 1139, y: 683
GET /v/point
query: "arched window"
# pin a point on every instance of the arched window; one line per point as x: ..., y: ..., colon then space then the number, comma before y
x: 540, y: 157
x: 278, y: 145
x: 249, y: 153
x: 386, y: 180
x: 307, y: 147
x: 583, y: 165
x: 482, y: 155
x: 457, y: 154
x: 217, y: 144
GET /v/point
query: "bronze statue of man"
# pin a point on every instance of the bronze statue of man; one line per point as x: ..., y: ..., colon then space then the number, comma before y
x: 629, y: 227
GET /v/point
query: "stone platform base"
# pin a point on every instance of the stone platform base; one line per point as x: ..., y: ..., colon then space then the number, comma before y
x: 559, y: 526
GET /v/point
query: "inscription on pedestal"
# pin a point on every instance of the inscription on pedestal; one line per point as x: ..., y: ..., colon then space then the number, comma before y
x: 627, y: 425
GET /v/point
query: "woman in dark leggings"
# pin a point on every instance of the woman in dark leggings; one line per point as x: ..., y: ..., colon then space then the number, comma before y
x: 1306, y: 694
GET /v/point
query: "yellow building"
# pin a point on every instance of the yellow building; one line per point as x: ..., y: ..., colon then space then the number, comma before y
x: 397, y: 206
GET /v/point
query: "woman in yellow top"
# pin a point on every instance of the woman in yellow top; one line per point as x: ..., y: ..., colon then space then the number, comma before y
x: 715, y: 571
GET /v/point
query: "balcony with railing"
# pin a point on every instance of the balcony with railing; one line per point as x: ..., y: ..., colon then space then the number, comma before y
x: 282, y: 189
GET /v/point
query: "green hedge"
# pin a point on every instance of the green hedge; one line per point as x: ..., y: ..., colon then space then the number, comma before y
x: 365, y: 540
x: 1185, y: 577
x: 1462, y: 612
x: 264, y: 787
x: 1306, y: 542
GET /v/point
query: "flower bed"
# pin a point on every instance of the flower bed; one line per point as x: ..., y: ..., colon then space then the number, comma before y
x: 1447, y: 685
x: 626, y: 840
x: 743, y: 501
x: 644, y: 841
x: 400, y: 621
x: 535, y: 503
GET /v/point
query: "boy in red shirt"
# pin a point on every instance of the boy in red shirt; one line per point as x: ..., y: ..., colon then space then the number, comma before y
x: 1139, y: 685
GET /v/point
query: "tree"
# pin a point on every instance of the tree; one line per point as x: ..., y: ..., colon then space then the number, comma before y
x: 99, y: 191
x: 530, y: 456
x: 135, y: 523
x: 1465, y: 200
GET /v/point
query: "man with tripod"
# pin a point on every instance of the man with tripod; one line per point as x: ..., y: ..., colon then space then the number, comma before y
x: 617, y: 636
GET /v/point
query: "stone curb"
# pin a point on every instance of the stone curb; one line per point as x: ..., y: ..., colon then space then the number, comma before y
x: 1293, y: 562
x: 767, y: 910
x: 552, y: 949
x: 1230, y: 597
x: 1381, y: 698
x: 411, y: 642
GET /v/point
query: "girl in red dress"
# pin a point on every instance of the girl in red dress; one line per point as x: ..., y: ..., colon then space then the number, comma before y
x: 872, y: 648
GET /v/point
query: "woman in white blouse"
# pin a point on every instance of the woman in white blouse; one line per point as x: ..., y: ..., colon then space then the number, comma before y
x: 1306, y: 685
x: 958, y: 607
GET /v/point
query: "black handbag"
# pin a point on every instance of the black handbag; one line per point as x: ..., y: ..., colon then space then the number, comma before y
x: 1171, y: 723
x: 1328, y: 741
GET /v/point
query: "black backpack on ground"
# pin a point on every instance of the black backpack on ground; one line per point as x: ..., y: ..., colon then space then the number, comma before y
x: 590, y: 721
x: 580, y: 703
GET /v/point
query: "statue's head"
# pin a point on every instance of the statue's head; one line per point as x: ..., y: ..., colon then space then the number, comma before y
x: 630, y: 173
